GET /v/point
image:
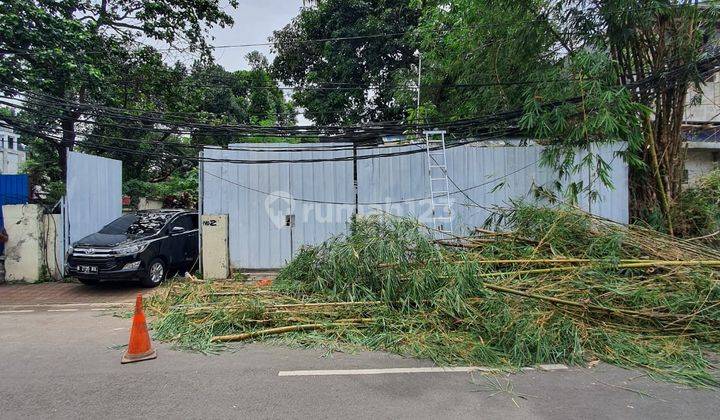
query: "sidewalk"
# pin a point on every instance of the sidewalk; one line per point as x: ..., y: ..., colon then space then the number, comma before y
x: 111, y: 293
x: 68, y: 293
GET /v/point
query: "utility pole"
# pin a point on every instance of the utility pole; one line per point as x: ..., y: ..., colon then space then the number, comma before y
x: 417, y: 112
x: 355, y: 178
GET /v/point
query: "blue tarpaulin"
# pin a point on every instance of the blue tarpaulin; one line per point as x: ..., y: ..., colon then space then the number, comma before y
x: 14, y: 189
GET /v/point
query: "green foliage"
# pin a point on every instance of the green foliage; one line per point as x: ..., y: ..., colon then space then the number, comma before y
x: 179, y: 184
x: 428, y: 291
x: 346, y: 267
x: 354, y: 80
x: 503, y: 55
x: 697, y: 211
x: 605, y: 113
x: 478, y: 42
x: 87, y: 52
x: 482, y: 57
x: 74, y: 47
x: 241, y: 97
x: 645, y: 38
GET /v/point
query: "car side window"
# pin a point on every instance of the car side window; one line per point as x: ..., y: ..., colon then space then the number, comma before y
x: 184, y: 222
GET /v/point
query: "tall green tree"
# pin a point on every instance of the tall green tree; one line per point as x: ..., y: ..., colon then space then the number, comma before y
x: 478, y: 54
x: 75, y: 49
x: 156, y: 155
x: 354, y: 79
x: 528, y: 52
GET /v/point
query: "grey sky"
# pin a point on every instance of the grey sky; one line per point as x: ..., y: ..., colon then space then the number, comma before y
x: 255, y: 20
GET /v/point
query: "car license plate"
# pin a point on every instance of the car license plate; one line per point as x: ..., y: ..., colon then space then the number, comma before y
x: 89, y: 269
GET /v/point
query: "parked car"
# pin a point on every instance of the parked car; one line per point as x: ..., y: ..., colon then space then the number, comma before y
x: 143, y: 245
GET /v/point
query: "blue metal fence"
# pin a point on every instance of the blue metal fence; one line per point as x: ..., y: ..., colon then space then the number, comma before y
x: 14, y: 189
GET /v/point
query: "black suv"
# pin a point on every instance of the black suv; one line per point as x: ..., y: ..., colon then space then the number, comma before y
x: 143, y: 245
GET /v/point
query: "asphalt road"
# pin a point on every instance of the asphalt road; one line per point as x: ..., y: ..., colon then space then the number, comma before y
x: 66, y: 365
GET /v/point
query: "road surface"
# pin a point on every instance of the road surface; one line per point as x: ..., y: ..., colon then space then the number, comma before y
x: 64, y: 362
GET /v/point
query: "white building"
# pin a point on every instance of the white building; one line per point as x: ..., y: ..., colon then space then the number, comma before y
x: 12, y: 153
x: 701, y: 130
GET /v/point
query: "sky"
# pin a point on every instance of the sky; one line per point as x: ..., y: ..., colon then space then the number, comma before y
x: 255, y: 20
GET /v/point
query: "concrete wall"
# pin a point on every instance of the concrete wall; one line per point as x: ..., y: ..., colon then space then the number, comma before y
x: 699, y: 162
x: 10, y: 161
x: 707, y: 110
x: 149, y: 204
x: 215, y: 252
x: 23, y: 251
x: 52, y: 238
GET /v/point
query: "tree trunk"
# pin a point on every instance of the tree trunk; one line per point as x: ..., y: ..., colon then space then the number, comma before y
x: 663, y: 44
x: 68, y: 141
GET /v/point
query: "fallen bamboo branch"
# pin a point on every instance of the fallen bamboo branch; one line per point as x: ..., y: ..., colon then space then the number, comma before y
x: 324, y: 304
x: 554, y: 261
x: 585, y: 306
x: 699, y: 238
x: 529, y: 261
x: 691, y: 263
x: 290, y: 328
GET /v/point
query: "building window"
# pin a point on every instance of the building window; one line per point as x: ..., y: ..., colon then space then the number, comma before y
x: 11, y: 142
x: 686, y: 176
x: 2, y: 142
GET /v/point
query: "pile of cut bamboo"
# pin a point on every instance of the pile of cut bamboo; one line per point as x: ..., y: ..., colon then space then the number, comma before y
x: 553, y: 286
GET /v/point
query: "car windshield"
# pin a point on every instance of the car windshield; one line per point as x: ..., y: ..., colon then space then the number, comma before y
x: 137, y: 224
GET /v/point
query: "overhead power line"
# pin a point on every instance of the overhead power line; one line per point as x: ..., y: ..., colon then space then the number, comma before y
x: 162, y: 154
x: 482, y: 126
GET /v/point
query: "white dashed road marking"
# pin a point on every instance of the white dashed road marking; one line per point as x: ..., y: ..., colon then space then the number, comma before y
x: 19, y: 311
x: 552, y: 367
x: 429, y: 369
x: 62, y: 310
x: 384, y: 371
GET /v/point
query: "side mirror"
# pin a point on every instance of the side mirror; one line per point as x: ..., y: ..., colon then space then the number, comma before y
x: 175, y: 230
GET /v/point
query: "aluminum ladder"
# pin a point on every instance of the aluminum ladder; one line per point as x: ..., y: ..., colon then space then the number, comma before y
x: 439, y: 184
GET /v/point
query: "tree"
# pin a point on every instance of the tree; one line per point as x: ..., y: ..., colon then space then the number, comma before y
x: 353, y: 80
x: 529, y: 52
x: 65, y: 59
x: 155, y: 156
x: 471, y: 49
x: 75, y: 49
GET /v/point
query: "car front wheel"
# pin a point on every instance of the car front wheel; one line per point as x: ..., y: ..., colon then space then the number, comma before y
x: 155, y: 273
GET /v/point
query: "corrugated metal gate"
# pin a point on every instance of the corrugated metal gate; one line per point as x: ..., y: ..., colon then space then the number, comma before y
x: 93, y: 196
x: 276, y: 208
x: 267, y: 221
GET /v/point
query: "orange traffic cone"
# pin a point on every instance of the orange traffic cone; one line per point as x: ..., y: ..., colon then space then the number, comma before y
x: 140, y: 347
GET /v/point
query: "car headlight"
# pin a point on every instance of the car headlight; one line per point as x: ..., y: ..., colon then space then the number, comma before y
x: 132, y: 249
x: 132, y: 266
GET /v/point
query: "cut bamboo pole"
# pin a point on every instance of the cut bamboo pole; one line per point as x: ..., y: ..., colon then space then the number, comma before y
x: 323, y: 304
x: 652, y: 315
x: 290, y: 328
x: 691, y: 263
